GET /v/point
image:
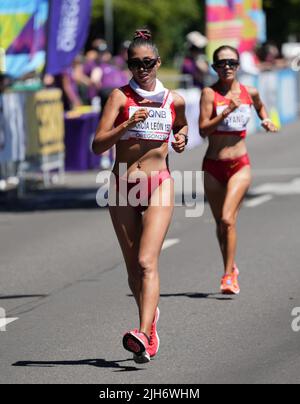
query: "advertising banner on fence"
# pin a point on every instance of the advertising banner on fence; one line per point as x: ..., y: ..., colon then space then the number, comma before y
x: 68, y: 30
x: 44, y: 123
x: 239, y: 23
x: 23, y: 35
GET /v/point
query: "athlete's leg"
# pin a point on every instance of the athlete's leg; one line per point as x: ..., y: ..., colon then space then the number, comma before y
x: 237, y: 188
x: 127, y: 222
x: 216, y: 194
x: 156, y: 222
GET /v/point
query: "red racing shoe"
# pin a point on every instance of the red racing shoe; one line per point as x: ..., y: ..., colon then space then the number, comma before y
x: 229, y: 285
x: 236, y: 271
x: 139, y: 344
x: 236, y: 274
x: 154, y: 338
x: 154, y: 341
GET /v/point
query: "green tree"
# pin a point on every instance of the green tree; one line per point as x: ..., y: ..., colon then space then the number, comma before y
x: 282, y: 19
x: 169, y: 21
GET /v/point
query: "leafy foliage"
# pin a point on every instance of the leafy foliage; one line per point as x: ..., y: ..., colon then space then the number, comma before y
x: 169, y: 20
x: 282, y: 19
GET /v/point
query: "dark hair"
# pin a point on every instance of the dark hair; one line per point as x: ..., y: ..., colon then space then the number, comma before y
x: 142, y: 37
x: 225, y: 47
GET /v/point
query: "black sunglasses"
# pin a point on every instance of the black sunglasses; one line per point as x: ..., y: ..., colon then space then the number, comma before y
x: 232, y: 63
x: 146, y: 64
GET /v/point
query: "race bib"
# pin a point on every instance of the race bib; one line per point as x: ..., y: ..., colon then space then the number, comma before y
x: 237, y: 121
x: 157, y: 126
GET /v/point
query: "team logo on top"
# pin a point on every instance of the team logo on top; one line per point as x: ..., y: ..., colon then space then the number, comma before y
x: 157, y: 126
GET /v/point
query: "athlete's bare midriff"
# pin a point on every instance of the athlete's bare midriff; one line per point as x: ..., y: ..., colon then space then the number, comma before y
x: 141, y: 156
x: 225, y: 147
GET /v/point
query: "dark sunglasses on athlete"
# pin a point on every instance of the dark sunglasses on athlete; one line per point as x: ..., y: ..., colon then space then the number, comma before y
x: 232, y: 63
x: 146, y: 64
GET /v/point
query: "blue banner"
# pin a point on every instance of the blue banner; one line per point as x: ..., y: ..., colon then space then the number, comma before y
x: 68, y: 30
x: 23, y: 35
x: 287, y: 96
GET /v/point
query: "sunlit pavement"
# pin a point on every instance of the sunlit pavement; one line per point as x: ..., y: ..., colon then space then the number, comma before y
x: 63, y: 281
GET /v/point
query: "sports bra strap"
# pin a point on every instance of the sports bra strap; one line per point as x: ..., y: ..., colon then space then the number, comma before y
x: 166, y: 99
x: 245, y: 92
x: 127, y: 91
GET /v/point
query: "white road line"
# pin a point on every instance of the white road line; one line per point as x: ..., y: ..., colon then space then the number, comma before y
x: 285, y: 188
x: 170, y: 243
x: 260, y: 200
x: 274, y: 172
x: 5, y: 321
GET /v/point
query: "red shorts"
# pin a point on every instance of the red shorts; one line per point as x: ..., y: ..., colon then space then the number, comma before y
x: 145, y: 191
x: 223, y: 170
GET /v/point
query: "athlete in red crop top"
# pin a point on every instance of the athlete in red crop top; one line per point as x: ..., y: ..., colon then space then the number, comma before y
x: 225, y: 113
x: 139, y: 119
x: 164, y: 114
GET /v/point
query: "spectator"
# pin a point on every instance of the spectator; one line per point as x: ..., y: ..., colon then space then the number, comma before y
x: 121, y: 59
x: 5, y: 82
x: 250, y: 63
x: 70, y: 89
x: 270, y: 57
x: 195, y: 63
x: 67, y: 83
x: 102, y: 72
x: 86, y: 87
x: 78, y: 88
x: 101, y: 46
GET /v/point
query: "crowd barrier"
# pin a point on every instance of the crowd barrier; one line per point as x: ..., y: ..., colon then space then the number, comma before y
x: 32, y: 134
x: 298, y: 80
x: 192, y: 101
x: 279, y: 91
x: 80, y: 133
x: 35, y: 134
x: 12, y: 128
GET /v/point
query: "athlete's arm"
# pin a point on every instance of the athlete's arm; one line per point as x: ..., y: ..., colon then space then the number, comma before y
x: 207, y: 124
x: 73, y: 98
x: 106, y: 135
x: 261, y: 110
x: 180, y: 127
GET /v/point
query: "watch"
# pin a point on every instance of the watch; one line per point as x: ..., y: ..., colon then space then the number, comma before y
x: 186, y: 138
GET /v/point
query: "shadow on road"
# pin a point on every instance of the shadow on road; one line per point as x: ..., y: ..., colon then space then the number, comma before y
x: 50, y: 200
x: 98, y: 363
x: 65, y: 199
x: 14, y: 297
x: 213, y: 296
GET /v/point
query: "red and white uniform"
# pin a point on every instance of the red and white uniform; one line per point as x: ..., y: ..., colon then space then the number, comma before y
x: 158, y: 126
x: 236, y: 123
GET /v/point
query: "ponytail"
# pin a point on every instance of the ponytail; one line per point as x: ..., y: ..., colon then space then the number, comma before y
x: 142, y: 37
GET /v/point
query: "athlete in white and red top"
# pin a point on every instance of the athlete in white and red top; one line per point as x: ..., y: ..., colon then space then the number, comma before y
x: 225, y: 113
x: 139, y: 119
x: 236, y: 123
x: 163, y: 117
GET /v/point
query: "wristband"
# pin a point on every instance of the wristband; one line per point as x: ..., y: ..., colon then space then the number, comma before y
x: 267, y: 120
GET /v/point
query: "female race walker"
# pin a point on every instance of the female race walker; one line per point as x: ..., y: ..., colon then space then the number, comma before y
x: 225, y: 113
x: 139, y: 119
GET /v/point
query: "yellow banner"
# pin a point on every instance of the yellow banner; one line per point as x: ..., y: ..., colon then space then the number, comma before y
x: 45, y: 123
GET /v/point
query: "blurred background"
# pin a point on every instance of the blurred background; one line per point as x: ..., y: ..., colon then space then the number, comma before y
x: 60, y: 60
